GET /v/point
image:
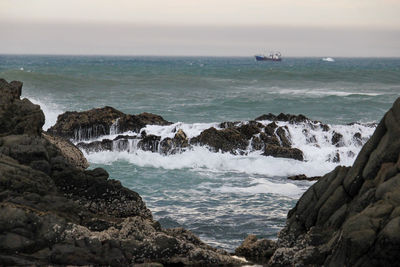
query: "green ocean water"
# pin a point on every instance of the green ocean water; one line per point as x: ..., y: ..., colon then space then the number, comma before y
x: 220, y: 197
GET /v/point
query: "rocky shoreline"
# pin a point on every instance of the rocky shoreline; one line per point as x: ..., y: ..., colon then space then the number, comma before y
x: 53, y: 211
x: 107, y: 129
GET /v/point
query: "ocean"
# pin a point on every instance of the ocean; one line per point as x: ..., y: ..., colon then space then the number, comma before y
x: 219, y: 196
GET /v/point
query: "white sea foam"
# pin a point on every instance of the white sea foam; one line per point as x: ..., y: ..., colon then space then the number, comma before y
x: 315, y: 143
x: 324, y: 92
x: 200, y: 158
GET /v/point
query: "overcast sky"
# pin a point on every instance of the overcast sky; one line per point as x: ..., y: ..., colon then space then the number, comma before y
x: 201, y: 27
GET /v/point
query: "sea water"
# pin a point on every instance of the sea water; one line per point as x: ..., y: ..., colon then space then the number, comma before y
x: 219, y: 196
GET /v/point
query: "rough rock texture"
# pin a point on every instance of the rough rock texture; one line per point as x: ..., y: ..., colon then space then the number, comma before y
x: 101, y: 121
x: 69, y: 151
x: 18, y: 116
x: 53, y: 213
x: 351, y: 216
x: 257, y: 250
x: 300, y: 177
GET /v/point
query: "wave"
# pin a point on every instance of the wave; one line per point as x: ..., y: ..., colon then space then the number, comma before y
x: 323, y: 93
x: 321, y: 153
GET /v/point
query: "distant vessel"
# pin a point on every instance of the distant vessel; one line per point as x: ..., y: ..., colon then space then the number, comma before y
x: 273, y: 56
x: 328, y: 59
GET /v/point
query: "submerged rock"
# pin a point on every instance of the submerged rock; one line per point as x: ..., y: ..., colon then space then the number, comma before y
x: 283, y: 152
x: 52, y: 212
x: 301, y: 177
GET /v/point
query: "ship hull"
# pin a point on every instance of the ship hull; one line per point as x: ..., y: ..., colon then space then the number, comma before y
x: 263, y: 58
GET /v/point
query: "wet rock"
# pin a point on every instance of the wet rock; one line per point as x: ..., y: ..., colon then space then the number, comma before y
x: 270, y: 128
x: 282, y: 133
x: 149, y: 143
x: 256, y: 250
x: 250, y: 129
x: 357, y: 139
x: 225, y: 140
x: 96, y: 146
x: 283, y: 117
x: 301, y: 177
x: 174, y: 145
x: 96, y: 122
x: 337, y: 139
x: 350, y: 216
x: 283, y: 152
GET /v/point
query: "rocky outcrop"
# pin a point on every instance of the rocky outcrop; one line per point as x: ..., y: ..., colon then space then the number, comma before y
x: 18, y: 116
x: 54, y: 213
x: 101, y: 121
x: 350, y: 216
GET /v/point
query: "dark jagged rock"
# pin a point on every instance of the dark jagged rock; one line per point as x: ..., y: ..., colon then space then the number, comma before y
x: 18, y: 116
x: 176, y: 144
x: 283, y: 152
x: 350, y: 216
x: 282, y: 133
x: 96, y: 146
x: 225, y: 140
x: 101, y: 121
x: 337, y: 139
x: 293, y: 119
x: 53, y: 213
x: 149, y: 143
x: 301, y: 177
x: 257, y: 250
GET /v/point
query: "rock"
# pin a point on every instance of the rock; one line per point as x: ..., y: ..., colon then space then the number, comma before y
x: 69, y: 151
x: 337, y: 139
x: 18, y: 116
x: 175, y: 145
x: 282, y: 133
x: 300, y: 177
x: 96, y: 146
x: 52, y: 212
x: 225, y: 140
x: 96, y: 122
x: 350, y: 216
x: 283, y: 152
x: 150, y: 143
x: 257, y: 250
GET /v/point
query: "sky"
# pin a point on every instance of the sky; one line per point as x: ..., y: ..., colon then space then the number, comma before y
x: 360, y: 28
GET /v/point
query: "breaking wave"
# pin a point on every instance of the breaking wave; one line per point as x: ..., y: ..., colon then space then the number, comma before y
x: 321, y: 154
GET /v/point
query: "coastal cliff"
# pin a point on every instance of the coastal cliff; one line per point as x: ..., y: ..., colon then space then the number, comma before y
x: 350, y: 217
x: 54, y: 212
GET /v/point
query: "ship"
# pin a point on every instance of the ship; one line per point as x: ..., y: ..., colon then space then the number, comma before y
x: 273, y: 56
